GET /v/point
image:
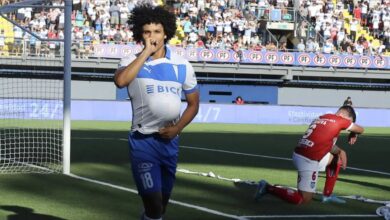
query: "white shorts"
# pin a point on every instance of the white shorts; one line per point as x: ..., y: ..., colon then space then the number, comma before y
x: 308, y: 171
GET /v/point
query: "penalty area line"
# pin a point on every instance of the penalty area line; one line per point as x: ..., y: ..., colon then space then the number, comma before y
x: 200, y: 208
x: 273, y: 157
x: 310, y: 216
x: 236, y: 153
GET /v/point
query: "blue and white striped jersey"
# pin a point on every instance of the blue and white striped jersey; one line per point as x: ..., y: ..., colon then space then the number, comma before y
x: 155, y: 93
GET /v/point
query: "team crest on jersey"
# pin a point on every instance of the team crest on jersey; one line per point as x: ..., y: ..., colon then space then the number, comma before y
x: 144, y: 167
x: 312, y: 185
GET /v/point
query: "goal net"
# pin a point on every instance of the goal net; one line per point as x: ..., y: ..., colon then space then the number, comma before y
x: 31, y: 99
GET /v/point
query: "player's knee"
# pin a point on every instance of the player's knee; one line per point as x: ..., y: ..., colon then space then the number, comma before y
x: 305, y: 200
x: 306, y: 197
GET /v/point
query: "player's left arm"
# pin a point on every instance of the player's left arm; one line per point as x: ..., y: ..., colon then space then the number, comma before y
x: 191, y: 92
x: 342, y: 155
x: 187, y: 116
x: 191, y: 110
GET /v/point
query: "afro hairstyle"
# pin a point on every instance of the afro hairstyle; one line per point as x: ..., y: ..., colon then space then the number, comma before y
x: 148, y: 14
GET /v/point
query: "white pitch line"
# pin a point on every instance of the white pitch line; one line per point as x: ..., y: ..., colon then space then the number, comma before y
x: 310, y: 216
x: 375, y: 137
x: 236, y: 153
x: 221, y: 213
x: 272, y: 157
x: 369, y: 171
x: 211, y: 211
x: 104, y: 139
x: 239, y: 153
x: 200, y: 208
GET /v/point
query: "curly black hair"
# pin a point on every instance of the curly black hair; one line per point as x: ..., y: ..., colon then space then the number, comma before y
x: 147, y: 14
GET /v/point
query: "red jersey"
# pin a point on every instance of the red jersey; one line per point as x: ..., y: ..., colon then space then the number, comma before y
x: 321, y: 135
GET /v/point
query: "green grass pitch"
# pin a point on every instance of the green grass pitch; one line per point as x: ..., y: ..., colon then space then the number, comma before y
x: 99, y: 152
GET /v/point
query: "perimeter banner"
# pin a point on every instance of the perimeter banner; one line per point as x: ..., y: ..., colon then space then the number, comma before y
x: 231, y: 113
x: 256, y: 57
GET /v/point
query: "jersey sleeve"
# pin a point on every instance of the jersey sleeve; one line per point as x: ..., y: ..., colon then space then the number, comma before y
x: 350, y: 126
x: 345, y: 124
x: 190, y: 84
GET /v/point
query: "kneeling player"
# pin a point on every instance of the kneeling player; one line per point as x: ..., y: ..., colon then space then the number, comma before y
x: 317, y: 151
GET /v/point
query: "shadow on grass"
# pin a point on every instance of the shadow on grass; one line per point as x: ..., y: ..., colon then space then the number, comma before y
x: 24, y: 213
x: 238, y: 199
x: 364, y: 183
x: 70, y: 198
x: 111, y: 147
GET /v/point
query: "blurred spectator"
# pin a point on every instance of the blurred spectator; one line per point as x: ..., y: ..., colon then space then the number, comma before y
x: 354, y: 23
x: 348, y: 101
x: 2, y: 40
x: 283, y: 47
x: 301, y: 46
x: 18, y: 35
x: 310, y: 46
x: 115, y: 13
x: 328, y: 47
x: 271, y: 46
x: 239, y: 100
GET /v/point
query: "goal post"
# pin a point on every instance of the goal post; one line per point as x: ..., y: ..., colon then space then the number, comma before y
x: 35, y: 79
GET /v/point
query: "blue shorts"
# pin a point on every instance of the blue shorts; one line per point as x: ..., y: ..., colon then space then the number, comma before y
x: 153, y: 162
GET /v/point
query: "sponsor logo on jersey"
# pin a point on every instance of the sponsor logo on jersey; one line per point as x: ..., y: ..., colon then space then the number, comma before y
x: 150, y: 89
x: 306, y: 142
x: 312, y: 185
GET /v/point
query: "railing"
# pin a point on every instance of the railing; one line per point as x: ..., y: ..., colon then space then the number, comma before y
x: 273, y: 39
x: 86, y: 50
x: 301, y: 59
x: 24, y: 47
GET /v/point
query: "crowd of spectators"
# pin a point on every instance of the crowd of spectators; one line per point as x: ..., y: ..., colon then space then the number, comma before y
x: 328, y: 26
x: 346, y: 26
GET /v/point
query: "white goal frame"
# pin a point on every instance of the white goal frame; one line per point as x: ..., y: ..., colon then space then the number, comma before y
x: 66, y: 136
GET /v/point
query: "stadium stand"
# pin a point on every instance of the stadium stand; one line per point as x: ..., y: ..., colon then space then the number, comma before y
x: 355, y: 27
x: 315, y: 26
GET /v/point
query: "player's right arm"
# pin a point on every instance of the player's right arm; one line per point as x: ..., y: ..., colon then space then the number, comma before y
x: 355, y: 130
x: 126, y: 74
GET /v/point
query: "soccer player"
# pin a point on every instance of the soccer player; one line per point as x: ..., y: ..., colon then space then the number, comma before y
x: 155, y: 79
x: 317, y: 151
